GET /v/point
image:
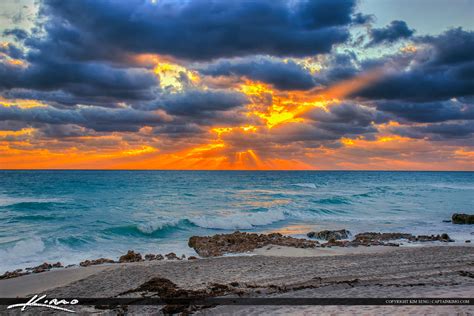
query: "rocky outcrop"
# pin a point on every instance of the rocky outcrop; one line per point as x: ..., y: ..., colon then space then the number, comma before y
x: 443, y: 237
x: 13, y: 274
x: 152, y: 257
x: 172, y: 256
x: 368, y: 237
x: 383, y: 239
x: 38, y: 269
x: 131, y: 256
x: 330, y: 234
x: 45, y: 267
x: 462, y: 219
x: 371, y: 236
x: 87, y: 263
x: 236, y: 242
x: 357, y: 243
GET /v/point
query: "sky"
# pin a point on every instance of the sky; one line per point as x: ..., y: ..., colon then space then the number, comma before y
x: 237, y: 85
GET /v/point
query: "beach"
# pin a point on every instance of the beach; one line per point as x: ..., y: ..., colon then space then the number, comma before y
x: 273, y: 272
x: 246, y: 235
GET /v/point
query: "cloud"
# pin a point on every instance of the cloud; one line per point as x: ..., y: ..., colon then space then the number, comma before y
x: 282, y: 75
x: 96, y: 118
x: 11, y: 50
x: 392, y: 33
x: 194, y: 29
x: 16, y: 33
x: 347, y: 113
x: 197, y: 103
x: 94, y: 81
x: 360, y: 18
x: 337, y: 67
x: 322, y: 127
x: 442, y: 68
x: 428, y: 112
x: 439, y: 131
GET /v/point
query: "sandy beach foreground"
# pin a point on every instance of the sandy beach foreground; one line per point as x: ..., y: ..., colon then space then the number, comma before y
x: 273, y: 271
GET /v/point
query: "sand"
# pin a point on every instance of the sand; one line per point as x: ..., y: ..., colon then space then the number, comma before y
x: 336, y: 272
x: 41, y: 282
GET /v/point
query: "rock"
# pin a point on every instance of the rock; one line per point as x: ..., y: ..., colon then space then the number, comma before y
x: 370, y: 236
x: 330, y: 234
x: 443, y: 237
x: 150, y: 257
x: 87, y: 263
x: 381, y: 239
x: 192, y: 258
x: 13, y: 274
x: 357, y: 243
x: 42, y: 268
x: 236, y: 242
x: 462, y: 219
x: 172, y: 256
x: 57, y: 265
x: 131, y: 256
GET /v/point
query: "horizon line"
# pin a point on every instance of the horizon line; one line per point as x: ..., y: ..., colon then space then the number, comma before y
x: 250, y: 170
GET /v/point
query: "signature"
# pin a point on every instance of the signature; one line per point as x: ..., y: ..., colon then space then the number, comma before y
x: 40, y: 301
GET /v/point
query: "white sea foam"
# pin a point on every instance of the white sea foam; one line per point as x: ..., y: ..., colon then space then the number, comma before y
x: 21, y: 252
x: 240, y: 220
x: 306, y: 185
x: 151, y: 227
x: 7, y: 200
x: 452, y: 186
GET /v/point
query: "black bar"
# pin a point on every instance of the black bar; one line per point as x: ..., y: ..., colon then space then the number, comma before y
x: 110, y: 302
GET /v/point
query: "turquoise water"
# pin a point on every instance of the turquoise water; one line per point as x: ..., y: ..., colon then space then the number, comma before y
x: 70, y: 216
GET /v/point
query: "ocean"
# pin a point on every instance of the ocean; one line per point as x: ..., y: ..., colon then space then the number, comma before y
x: 70, y: 216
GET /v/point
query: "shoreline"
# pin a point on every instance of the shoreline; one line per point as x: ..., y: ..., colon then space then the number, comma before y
x: 379, y: 272
x: 249, y: 244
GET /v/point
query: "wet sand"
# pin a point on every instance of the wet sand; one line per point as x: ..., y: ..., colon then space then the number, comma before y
x: 273, y: 271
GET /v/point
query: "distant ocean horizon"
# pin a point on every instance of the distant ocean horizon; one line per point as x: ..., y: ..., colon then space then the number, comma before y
x: 72, y: 215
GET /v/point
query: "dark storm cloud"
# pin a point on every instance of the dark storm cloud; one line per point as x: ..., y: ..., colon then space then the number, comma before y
x: 197, y: 30
x: 63, y: 131
x: 347, y: 113
x: 282, y: 75
x: 360, y: 18
x: 392, y: 33
x: 337, y: 67
x: 96, y: 118
x: 11, y: 50
x: 428, y: 112
x: 60, y: 99
x: 442, y: 69
x: 86, y: 80
x: 438, y: 132
x: 16, y: 33
x: 326, y: 127
x: 198, y: 103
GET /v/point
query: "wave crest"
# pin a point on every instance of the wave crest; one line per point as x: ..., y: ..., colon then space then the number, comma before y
x: 240, y: 221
